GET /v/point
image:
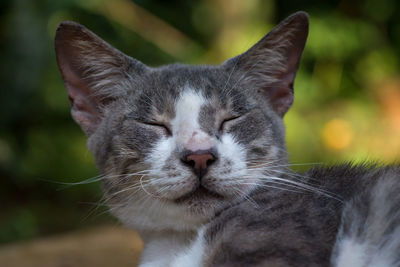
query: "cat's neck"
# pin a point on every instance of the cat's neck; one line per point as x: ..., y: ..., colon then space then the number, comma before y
x: 162, y: 246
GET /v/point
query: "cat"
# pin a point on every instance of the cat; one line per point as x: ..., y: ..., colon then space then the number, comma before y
x: 194, y: 158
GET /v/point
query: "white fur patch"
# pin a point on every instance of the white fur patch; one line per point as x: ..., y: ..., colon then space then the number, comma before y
x: 228, y: 148
x: 193, y: 256
x: 162, y: 150
x: 185, y: 125
x: 162, y: 252
x: 377, y: 245
x: 355, y: 254
x: 351, y: 254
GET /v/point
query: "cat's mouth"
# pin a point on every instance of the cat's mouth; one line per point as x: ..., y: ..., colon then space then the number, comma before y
x: 198, y: 194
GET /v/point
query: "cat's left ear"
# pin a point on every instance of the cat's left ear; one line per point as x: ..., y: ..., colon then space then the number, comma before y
x: 270, y: 65
x: 94, y: 73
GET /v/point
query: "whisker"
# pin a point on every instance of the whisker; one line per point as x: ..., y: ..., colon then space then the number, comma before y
x: 248, y: 198
x: 141, y: 184
x: 302, y: 185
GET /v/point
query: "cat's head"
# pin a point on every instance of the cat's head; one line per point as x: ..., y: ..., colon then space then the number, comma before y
x: 176, y: 143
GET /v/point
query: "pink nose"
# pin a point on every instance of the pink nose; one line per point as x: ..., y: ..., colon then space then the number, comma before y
x: 200, y: 161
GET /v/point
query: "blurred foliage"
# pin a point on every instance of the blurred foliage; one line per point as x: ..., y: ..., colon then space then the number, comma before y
x: 347, y: 90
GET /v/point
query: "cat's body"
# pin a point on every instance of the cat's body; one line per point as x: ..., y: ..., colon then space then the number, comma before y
x: 303, y: 230
x: 183, y: 148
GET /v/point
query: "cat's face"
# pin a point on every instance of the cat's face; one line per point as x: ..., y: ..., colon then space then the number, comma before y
x: 179, y: 142
x: 195, y: 142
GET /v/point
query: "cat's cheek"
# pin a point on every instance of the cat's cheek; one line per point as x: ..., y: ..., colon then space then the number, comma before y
x: 158, y: 155
x: 230, y: 149
x: 225, y: 178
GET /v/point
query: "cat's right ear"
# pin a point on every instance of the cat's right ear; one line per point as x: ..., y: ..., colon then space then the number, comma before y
x: 94, y: 72
x: 270, y: 65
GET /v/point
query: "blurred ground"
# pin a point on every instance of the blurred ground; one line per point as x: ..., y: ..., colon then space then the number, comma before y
x: 97, y: 247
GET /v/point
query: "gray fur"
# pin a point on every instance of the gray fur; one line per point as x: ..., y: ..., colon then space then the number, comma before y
x: 371, y: 220
x: 300, y: 228
x: 256, y: 211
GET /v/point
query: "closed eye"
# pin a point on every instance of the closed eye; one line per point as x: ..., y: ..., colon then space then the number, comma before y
x: 159, y: 125
x: 230, y: 119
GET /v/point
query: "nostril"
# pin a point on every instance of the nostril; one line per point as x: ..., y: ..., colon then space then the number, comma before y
x: 190, y: 163
x: 210, y: 161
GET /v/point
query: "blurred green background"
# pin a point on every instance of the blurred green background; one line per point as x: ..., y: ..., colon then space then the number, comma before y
x: 347, y: 104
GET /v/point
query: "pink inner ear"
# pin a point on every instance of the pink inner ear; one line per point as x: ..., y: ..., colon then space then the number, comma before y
x: 281, y: 95
x: 85, y: 105
x: 281, y: 100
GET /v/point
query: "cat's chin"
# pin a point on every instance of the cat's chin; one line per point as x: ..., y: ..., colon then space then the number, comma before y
x: 200, y: 200
x: 198, y: 194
